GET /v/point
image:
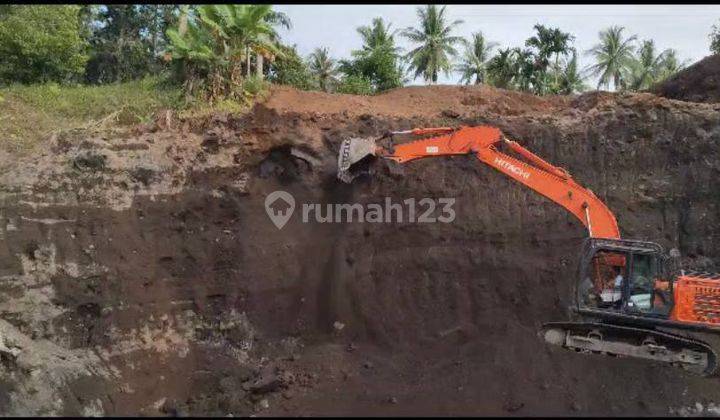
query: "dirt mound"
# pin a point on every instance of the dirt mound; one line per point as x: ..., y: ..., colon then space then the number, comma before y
x: 697, y: 83
x: 415, y: 101
x: 153, y: 251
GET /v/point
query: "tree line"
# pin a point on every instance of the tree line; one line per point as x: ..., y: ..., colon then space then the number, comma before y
x: 231, y: 51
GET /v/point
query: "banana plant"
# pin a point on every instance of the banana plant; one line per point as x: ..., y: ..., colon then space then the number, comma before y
x: 218, y: 39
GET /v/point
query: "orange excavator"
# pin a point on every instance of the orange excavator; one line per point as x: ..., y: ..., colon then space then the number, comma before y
x: 631, y: 300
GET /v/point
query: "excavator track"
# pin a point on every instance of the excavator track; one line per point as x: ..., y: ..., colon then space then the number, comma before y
x: 623, y: 341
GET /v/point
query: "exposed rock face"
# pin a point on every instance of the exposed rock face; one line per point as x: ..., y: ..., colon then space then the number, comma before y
x: 148, y: 262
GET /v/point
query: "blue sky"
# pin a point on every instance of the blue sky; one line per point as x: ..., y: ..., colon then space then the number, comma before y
x: 684, y: 28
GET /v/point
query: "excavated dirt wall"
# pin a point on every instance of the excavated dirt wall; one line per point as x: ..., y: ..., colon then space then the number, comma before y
x: 141, y: 274
x: 700, y: 82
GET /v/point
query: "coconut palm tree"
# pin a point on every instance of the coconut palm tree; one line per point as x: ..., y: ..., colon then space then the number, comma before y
x: 500, y: 69
x: 613, y: 56
x: 436, y: 47
x: 475, y: 60
x: 323, y: 68
x: 193, y: 56
x: 647, y: 66
x: 259, y: 21
x: 571, y: 80
x: 379, y: 57
x: 378, y: 37
x: 670, y: 65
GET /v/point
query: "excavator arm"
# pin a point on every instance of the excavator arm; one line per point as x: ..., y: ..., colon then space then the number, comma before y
x: 482, y: 141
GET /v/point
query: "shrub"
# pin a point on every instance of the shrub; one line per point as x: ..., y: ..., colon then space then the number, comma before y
x: 356, y: 85
x: 41, y: 43
x: 31, y: 113
x: 291, y: 70
x: 254, y: 85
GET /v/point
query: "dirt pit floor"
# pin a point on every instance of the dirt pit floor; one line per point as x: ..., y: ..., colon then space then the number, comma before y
x: 140, y: 274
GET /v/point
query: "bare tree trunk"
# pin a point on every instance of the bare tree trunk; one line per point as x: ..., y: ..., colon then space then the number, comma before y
x: 236, y: 75
x: 247, y: 61
x: 189, y: 88
x: 259, y: 65
x: 616, y: 82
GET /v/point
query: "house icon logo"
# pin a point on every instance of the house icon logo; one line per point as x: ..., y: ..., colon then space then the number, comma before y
x: 279, y: 206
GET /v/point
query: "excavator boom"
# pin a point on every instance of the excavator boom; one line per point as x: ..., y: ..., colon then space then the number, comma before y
x: 483, y: 141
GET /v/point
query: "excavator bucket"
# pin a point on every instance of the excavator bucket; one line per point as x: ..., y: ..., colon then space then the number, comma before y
x: 353, y: 151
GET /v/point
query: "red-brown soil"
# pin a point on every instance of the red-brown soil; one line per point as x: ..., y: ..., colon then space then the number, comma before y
x: 152, y: 250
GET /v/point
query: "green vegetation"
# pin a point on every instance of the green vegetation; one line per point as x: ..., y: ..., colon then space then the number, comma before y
x: 541, y: 67
x: 378, y: 62
x: 570, y: 79
x: 135, y: 59
x: 715, y: 39
x: 475, y: 60
x: 501, y: 69
x: 212, y: 51
x: 213, y: 48
x: 613, y: 56
x: 356, y: 85
x: 41, y: 44
x: 290, y: 69
x: 437, y: 46
x: 323, y: 69
x: 127, y: 40
x: 645, y: 69
x: 627, y: 65
x: 671, y: 64
x: 31, y: 113
x: 547, y: 42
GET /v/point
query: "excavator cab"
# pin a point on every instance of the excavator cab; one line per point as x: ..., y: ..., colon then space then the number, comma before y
x: 625, y: 291
x: 621, y: 278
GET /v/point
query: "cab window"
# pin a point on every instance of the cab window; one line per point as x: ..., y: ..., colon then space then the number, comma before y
x: 602, y: 285
x: 641, y: 282
x: 648, y: 293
